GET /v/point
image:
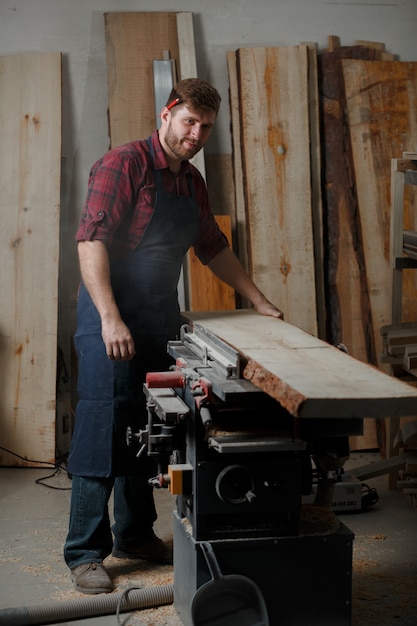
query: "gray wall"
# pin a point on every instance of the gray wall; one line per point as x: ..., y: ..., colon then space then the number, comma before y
x: 76, y: 28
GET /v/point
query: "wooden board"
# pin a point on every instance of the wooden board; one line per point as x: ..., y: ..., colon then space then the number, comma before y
x: 349, y: 317
x: 238, y: 173
x: 382, y: 112
x: 30, y: 154
x: 133, y: 40
x: 316, y: 191
x: 274, y: 123
x: 309, y: 377
x: 208, y: 293
x: 188, y: 67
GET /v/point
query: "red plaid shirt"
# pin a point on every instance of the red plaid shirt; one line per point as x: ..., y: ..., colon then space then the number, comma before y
x: 121, y: 197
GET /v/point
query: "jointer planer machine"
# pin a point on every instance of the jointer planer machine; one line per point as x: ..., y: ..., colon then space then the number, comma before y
x: 239, y: 463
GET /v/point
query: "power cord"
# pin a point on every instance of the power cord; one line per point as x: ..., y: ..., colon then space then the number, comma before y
x: 39, y: 481
x: 369, y: 496
x: 119, y: 605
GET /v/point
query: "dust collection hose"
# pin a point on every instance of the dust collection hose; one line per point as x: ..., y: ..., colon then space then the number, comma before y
x: 103, y: 604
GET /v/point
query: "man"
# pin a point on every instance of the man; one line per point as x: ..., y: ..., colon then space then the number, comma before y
x: 146, y: 205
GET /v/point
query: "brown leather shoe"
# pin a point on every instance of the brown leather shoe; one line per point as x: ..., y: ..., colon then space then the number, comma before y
x: 155, y: 551
x: 91, y: 578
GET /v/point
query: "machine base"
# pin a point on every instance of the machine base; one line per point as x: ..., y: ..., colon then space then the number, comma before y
x: 305, y: 580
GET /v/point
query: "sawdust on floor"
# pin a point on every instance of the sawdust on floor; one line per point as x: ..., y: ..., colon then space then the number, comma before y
x: 383, y: 595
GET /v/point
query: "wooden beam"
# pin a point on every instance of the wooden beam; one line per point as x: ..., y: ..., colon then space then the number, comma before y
x: 379, y: 468
x: 307, y: 376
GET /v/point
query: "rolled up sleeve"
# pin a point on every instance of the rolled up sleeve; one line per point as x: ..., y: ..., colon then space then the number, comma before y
x: 108, y: 201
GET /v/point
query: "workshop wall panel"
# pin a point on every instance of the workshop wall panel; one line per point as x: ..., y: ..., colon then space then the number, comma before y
x: 30, y: 157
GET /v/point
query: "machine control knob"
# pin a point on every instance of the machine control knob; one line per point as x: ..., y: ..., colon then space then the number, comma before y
x: 235, y: 484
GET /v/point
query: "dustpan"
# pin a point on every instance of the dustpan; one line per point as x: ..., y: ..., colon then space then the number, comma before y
x: 227, y: 600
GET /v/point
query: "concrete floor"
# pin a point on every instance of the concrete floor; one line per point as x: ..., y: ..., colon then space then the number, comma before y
x: 33, y: 528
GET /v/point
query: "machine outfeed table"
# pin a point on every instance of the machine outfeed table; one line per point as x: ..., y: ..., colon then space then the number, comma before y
x: 240, y: 462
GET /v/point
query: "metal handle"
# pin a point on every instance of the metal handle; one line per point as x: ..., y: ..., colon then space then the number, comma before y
x: 207, y: 550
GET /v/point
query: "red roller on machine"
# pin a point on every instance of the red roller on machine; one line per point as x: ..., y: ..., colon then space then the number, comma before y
x: 161, y: 380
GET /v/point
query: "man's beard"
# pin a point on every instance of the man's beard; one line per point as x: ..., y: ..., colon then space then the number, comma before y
x: 177, y: 147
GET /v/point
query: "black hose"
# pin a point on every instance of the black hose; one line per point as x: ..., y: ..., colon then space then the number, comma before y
x: 102, y: 604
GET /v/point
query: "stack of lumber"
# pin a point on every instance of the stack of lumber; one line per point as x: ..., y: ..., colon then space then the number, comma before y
x: 367, y: 105
x: 313, y: 200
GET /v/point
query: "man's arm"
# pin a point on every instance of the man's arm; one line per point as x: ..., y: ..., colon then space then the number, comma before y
x: 95, y: 272
x: 228, y: 268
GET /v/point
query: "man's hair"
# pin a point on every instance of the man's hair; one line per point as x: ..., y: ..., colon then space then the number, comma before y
x: 196, y: 94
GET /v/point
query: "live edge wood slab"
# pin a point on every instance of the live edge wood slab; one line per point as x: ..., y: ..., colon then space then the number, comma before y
x: 306, y: 375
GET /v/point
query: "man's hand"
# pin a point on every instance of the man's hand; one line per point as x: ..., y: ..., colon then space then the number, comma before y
x: 228, y: 268
x: 95, y: 271
x: 267, y: 308
x: 118, y: 340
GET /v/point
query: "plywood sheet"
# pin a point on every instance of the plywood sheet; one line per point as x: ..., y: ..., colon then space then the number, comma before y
x: 30, y: 155
x: 308, y: 376
x: 275, y: 152
x: 382, y: 113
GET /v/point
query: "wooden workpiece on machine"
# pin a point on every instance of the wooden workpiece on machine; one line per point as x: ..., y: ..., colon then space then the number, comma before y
x: 307, y: 376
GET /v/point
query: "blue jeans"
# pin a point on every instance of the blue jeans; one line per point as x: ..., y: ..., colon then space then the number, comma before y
x: 90, y: 536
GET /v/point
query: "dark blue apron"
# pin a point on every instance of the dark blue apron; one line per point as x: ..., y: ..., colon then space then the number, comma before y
x: 145, y: 289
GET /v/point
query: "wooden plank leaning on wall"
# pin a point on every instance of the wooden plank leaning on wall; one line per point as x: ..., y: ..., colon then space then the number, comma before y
x: 381, y: 101
x: 349, y: 318
x: 382, y: 111
x: 30, y: 154
x: 133, y: 40
x: 274, y: 159
x: 349, y: 309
